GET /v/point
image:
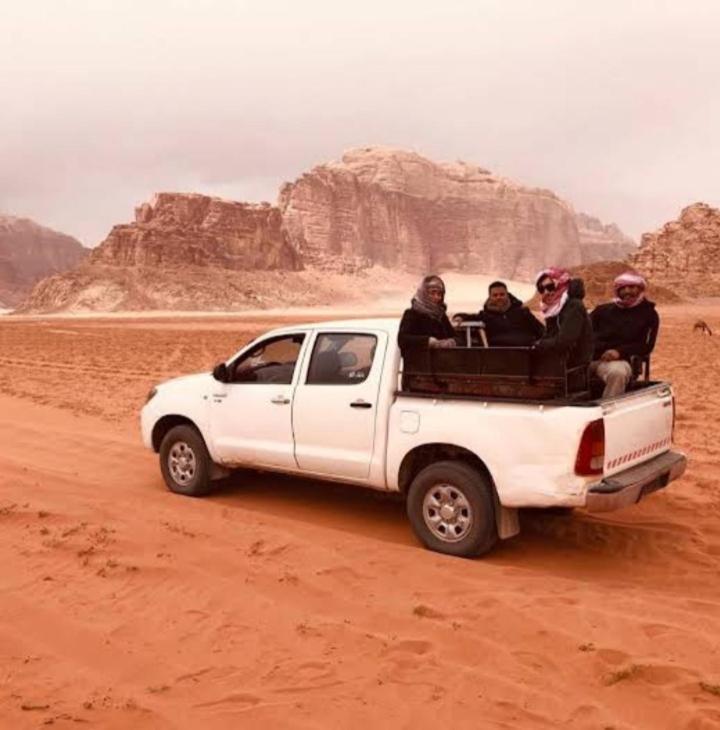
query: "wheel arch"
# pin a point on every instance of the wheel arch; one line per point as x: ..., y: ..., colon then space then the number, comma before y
x: 418, y: 458
x: 167, y: 422
x: 421, y: 456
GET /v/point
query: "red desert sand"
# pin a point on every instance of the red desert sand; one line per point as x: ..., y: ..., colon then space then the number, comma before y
x: 283, y: 603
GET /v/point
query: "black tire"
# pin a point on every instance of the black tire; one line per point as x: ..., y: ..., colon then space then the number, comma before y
x: 185, y: 462
x: 468, y: 494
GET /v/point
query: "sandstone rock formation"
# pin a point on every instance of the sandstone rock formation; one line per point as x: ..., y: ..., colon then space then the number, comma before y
x: 29, y: 252
x: 394, y: 208
x: 685, y: 254
x: 176, y: 229
x: 375, y: 210
x: 184, y: 251
x: 600, y: 242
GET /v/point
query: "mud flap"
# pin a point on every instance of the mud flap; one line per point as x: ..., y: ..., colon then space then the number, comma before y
x: 218, y: 472
x: 508, y: 524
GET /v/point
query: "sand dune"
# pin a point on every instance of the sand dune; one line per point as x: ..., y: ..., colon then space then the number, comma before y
x: 389, y: 291
x: 284, y: 603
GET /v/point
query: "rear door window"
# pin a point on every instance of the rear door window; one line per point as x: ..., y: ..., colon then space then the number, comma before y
x: 341, y: 359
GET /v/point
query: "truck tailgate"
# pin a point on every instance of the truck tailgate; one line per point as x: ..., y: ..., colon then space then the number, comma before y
x: 638, y: 427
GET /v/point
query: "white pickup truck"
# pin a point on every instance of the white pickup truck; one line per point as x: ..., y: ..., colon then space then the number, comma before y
x: 324, y: 401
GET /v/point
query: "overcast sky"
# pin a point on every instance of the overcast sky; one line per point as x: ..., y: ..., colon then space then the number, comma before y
x: 613, y: 104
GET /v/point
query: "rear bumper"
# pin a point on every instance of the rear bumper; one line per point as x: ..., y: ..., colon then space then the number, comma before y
x: 631, y: 485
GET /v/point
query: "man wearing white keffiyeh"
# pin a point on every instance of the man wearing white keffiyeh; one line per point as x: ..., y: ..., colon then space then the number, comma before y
x: 624, y: 329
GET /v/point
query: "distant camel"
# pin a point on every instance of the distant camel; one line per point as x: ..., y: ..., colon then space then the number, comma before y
x: 702, y: 327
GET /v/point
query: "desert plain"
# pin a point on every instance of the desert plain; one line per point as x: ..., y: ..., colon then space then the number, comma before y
x: 286, y: 603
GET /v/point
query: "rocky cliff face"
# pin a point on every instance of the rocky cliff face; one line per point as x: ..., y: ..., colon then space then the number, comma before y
x: 376, y: 209
x: 600, y: 242
x: 30, y: 252
x: 183, y: 251
x: 395, y: 208
x: 685, y: 254
x: 176, y: 229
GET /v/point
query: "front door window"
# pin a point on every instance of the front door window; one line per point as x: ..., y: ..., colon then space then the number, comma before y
x: 269, y: 362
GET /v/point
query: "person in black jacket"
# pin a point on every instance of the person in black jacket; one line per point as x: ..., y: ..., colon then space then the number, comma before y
x: 568, y: 330
x: 507, y: 322
x: 425, y: 324
x: 623, y: 328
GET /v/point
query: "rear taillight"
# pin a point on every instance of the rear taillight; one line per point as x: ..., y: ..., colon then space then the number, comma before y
x: 591, y: 452
x: 672, y: 432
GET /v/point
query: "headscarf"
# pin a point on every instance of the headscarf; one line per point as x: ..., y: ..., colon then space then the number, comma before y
x: 421, y: 302
x: 629, y: 278
x: 561, y: 279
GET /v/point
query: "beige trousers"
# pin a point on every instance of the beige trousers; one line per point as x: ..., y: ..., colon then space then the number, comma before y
x: 615, y: 374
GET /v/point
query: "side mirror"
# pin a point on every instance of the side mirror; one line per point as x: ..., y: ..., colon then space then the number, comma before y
x: 220, y: 373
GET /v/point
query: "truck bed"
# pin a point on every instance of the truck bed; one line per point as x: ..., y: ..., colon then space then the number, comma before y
x: 582, y: 399
x: 530, y: 446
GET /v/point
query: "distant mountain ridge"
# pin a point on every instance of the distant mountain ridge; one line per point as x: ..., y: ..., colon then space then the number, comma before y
x: 602, y: 242
x: 376, y: 207
x: 30, y: 252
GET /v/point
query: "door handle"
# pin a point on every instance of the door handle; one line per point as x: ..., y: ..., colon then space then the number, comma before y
x: 360, y: 403
x: 280, y: 400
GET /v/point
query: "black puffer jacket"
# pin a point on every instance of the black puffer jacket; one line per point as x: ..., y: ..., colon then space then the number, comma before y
x: 630, y: 331
x: 517, y: 327
x: 571, y: 330
x: 417, y: 328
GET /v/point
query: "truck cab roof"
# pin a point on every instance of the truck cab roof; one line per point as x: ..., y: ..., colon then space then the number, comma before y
x: 390, y: 325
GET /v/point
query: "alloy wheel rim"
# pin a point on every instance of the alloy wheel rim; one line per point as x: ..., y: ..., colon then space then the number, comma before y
x: 182, y: 462
x: 447, y: 512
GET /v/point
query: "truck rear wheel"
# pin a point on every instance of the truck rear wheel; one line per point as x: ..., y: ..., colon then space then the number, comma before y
x: 451, y: 508
x: 185, y: 462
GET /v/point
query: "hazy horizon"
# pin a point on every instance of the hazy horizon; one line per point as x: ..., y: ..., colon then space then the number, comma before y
x: 612, y: 107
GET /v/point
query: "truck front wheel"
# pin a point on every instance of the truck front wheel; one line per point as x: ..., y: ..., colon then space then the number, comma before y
x: 185, y: 462
x: 451, y: 508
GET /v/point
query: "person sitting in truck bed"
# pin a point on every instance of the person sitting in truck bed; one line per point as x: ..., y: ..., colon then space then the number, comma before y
x: 568, y: 330
x: 425, y: 324
x: 625, y: 328
x: 507, y: 322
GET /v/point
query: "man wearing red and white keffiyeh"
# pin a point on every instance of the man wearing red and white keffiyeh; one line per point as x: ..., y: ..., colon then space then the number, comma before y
x: 568, y: 330
x: 625, y: 328
x: 629, y: 290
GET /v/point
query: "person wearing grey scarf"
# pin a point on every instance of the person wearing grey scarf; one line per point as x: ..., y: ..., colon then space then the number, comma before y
x: 429, y: 298
x: 425, y: 323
